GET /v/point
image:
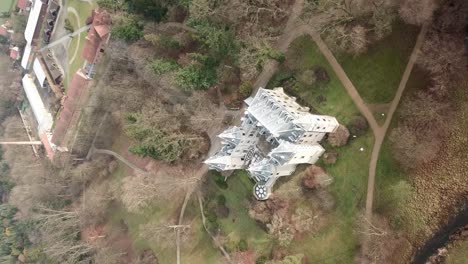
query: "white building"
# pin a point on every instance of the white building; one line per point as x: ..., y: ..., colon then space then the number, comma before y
x: 276, y: 134
x: 30, y: 31
x: 44, y: 119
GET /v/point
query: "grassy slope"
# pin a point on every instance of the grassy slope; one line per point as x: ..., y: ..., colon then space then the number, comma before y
x: 377, y: 73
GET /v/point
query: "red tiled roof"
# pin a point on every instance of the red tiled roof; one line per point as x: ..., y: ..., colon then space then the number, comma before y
x: 23, y: 4
x: 102, y: 30
x: 3, y: 31
x: 97, y: 35
x: 77, y: 86
x: 14, y: 54
x: 48, y: 146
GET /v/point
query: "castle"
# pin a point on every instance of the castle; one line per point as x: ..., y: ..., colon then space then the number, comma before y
x: 276, y: 134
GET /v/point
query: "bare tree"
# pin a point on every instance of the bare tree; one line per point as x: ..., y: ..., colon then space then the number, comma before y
x: 140, y: 190
x: 417, y: 12
x: 342, y: 22
x: 95, y: 203
x: 59, y: 231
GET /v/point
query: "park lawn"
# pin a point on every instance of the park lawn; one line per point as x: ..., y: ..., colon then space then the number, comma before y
x: 84, y: 10
x: 376, y: 74
x: 6, y: 6
x: 337, y: 243
x: 389, y: 171
x: 238, y: 225
x: 164, y: 249
x: 304, y: 55
x: 198, y: 249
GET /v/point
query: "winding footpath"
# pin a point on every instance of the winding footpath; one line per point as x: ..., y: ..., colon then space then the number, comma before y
x: 379, y: 131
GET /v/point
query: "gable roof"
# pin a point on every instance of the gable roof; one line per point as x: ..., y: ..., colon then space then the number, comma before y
x: 23, y: 4
x: 3, y: 31
x: 97, y: 35
x: 33, y: 21
x: 47, y: 146
x: 14, y: 53
x: 78, y: 84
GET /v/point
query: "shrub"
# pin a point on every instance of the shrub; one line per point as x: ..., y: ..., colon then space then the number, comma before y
x: 358, y: 126
x: 281, y: 78
x: 242, y: 245
x: 68, y: 26
x: 212, y: 220
x: 129, y: 30
x: 276, y: 55
x: 261, y: 260
x: 340, y: 137
x: 196, y: 77
x: 221, y: 200
x: 245, y: 89
x: 321, y: 74
x: 114, y: 5
x: 219, y: 180
x: 218, y: 40
x: 169, y: 43
x: 307, y: 77
x: 161, y: 66
x: 151, y: 9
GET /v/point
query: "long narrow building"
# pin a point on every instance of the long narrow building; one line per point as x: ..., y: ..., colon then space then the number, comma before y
x: 276, y: 135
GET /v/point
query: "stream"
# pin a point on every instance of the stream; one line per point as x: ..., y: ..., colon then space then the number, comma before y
x: 442, y: 237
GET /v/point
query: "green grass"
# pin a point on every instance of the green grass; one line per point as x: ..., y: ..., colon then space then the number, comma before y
x: 200, y: 249
x: 304, y: 55
x: 377, y: 73
x: 239, y: 225
x: 6, y: 6
x: 159, y: 211
x: 389, y: 171
x: 84, y: 10
x: 337, y: 243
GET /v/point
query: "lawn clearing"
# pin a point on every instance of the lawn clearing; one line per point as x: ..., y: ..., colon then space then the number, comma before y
x: 337, y: 243
x: 6, y: 6
x: 76, y: 46
x: 323, y: 97
x: 377, y: 73
x: 389, y: 171
x: 238, y: 225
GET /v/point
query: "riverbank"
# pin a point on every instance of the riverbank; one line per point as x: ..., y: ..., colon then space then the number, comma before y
x: 437, y: 248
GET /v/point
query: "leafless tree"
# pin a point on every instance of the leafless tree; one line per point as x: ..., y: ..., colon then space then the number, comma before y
x: 59, y: 230
x: 95, y: 202
x: 140, y: 190
x: 417, y: 12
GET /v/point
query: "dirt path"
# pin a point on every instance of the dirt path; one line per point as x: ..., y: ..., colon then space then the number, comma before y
x: 379, y: 131
x: 382, y: 131
x: 289, y: 34
x: 347, y: 84
x: 117, y: 156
